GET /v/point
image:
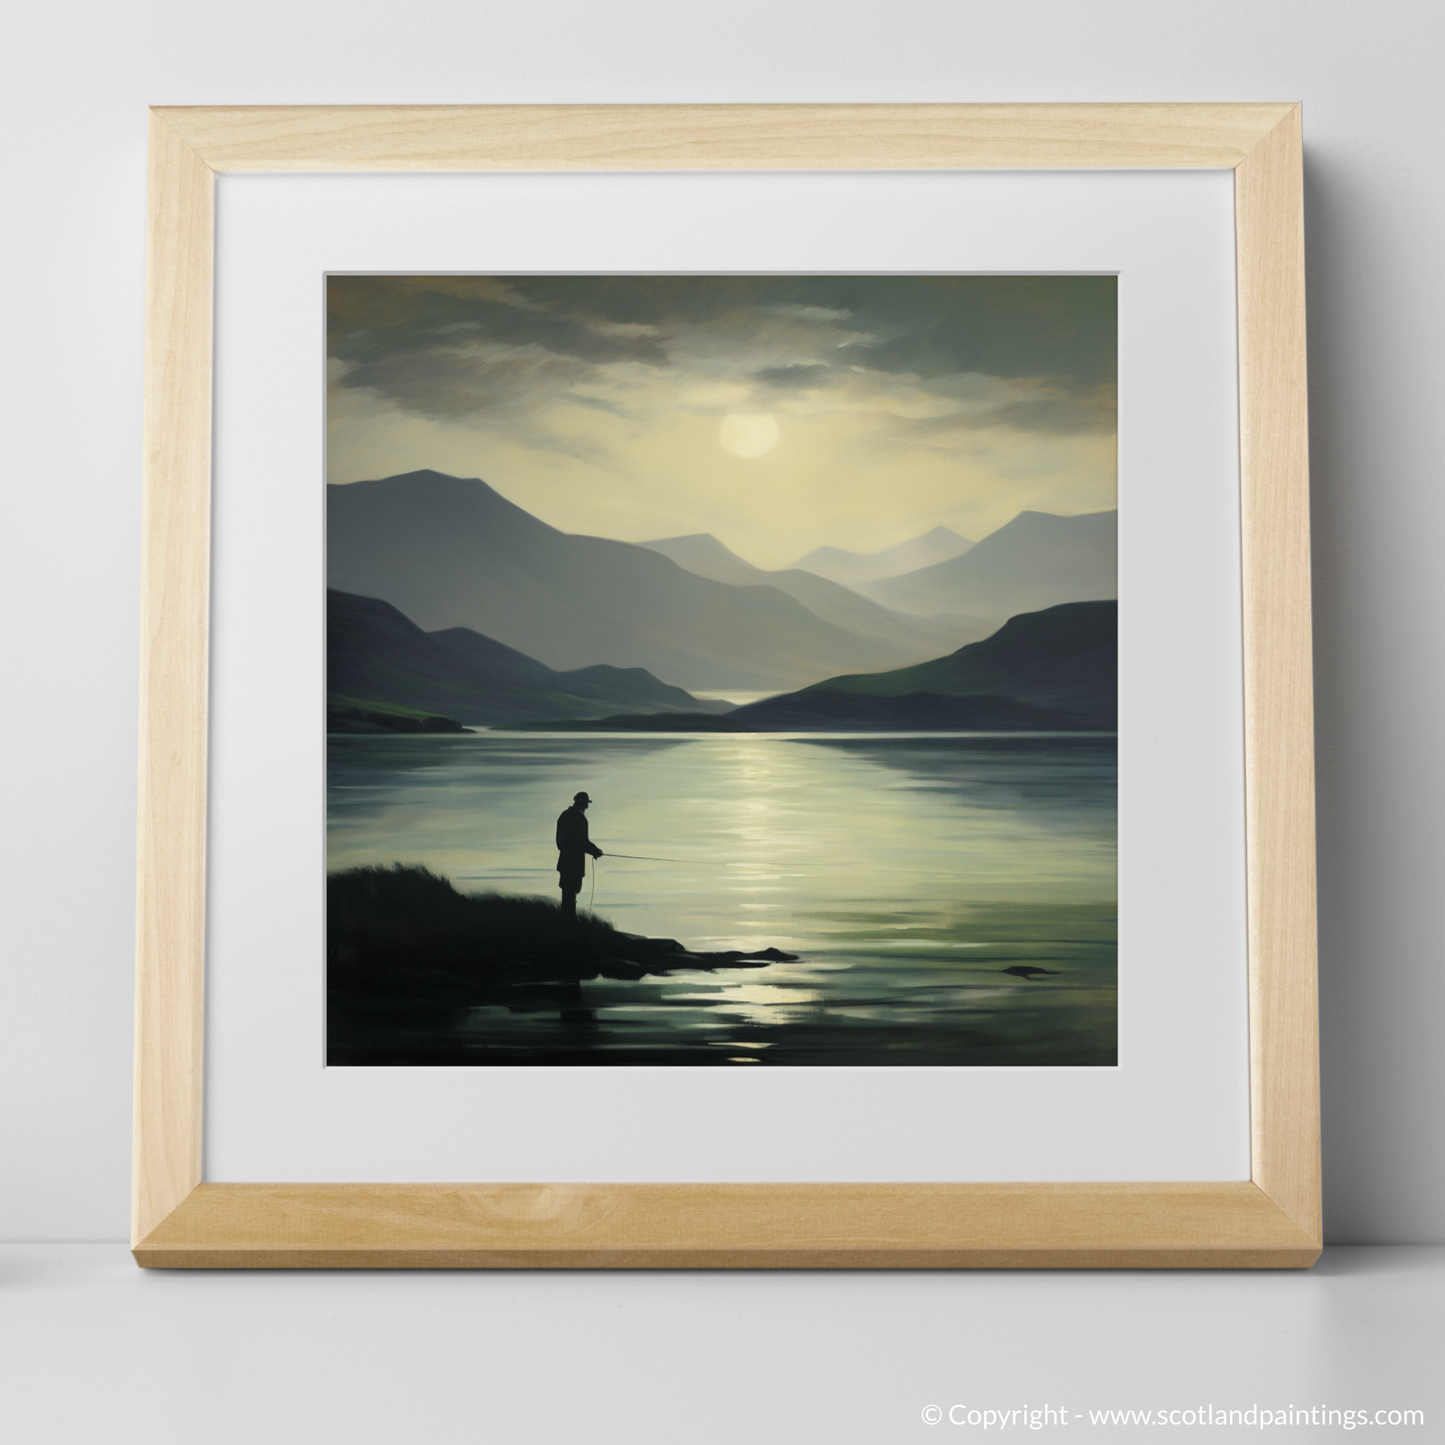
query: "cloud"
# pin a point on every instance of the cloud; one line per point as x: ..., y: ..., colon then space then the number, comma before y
x: 809, y: 313
x: 799, y: 374
x: 1065, y: 413
x: 932, y: 357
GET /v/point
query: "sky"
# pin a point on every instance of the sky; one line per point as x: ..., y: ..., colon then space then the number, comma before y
x: 779, y: 413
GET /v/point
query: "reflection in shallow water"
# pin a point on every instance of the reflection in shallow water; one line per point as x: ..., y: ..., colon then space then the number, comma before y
x: 951, y: 899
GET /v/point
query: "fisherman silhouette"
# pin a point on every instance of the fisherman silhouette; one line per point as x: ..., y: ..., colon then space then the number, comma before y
x: 573, y: 845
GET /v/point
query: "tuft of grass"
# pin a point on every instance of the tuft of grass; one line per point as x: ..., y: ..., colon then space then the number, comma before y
x: 405, y: 914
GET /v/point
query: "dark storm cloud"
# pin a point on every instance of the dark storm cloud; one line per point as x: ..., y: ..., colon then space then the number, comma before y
x: 1011, y: 327
x: 465, y: 346
x: 375, y: 317
x: 1005, y: 326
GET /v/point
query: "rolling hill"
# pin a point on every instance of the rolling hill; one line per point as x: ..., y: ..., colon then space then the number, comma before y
x: 377, y: 656
x: 1057, y: 668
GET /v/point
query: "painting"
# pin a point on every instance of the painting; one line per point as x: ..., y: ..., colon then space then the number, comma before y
x: 721, y: 671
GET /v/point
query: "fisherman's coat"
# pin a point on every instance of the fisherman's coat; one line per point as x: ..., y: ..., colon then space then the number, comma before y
x: 573, y: 844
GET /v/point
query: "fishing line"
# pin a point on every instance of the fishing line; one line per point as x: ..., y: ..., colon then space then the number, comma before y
x: 724, y: 863
x: 643, y: 858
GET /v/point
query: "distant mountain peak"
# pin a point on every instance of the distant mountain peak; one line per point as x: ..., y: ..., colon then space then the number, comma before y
x: 407, y: 493
x: 1035, y: 561
x: 702, y: 553
x: 421, y: 475
x: 1031, y: 516
x: 429, y: 472
x: 851, y: 568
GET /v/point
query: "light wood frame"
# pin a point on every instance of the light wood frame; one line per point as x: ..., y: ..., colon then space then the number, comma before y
x: 1272, y: 1220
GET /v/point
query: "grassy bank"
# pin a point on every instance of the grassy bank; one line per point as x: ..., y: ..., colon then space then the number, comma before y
x: 405, y: 926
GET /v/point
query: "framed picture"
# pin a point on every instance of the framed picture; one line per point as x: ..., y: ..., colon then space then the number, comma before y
x: 872, y: 791
x: 896, y: 692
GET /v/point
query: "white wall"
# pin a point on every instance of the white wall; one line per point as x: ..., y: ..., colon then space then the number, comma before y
x: 79, y: 75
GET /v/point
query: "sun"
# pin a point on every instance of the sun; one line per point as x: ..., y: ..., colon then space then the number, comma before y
x: 748, y: 433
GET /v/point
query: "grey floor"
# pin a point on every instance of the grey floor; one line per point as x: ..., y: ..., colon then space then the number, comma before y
x: 94, y: 1350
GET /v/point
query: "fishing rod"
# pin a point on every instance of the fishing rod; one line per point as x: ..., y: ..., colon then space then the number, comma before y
x: 725, y: 863
x: 643, y: 858
x: 685, y: 862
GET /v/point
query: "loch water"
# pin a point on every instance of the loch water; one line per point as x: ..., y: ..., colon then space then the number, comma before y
x: 950, y: 898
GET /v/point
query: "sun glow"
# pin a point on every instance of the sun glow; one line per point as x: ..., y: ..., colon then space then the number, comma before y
x: 748, y: 433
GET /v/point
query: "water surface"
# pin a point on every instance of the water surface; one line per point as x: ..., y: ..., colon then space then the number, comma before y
x: 909, y: 873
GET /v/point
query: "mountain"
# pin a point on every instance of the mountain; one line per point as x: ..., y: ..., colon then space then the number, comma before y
x: 817, y: 711
x: 851, y: 568
x: 378, y: 660
x: 1037, y: 560
x: 343, y: 715
x: 1052, y: 669
x: 450, y: 552
x: 705, y: 556
x: 822, y: 711
x: 702, y: 554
